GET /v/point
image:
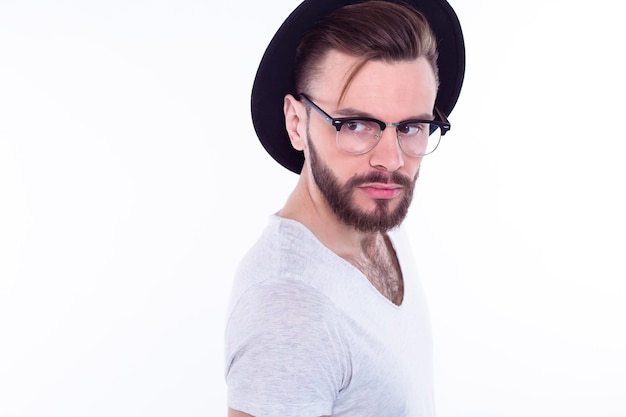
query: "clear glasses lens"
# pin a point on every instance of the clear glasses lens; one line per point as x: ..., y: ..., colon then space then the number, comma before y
x: 419, y: 139
x: 361, y: 136
x: 358, y: 136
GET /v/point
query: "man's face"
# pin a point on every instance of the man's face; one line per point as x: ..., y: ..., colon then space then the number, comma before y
x: 340, y: 196
x: 373, y: 191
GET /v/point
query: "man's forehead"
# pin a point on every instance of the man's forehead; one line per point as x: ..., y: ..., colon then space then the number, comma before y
x: 345, y: 80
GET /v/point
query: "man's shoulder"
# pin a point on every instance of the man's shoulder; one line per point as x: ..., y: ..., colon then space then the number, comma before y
x: 285, y: 251
x: 283, y: 297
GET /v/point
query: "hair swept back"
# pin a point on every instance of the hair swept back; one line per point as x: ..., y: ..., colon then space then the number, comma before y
x: 374, y: 30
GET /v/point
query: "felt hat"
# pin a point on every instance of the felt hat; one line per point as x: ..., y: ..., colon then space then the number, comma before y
x: 274, y: 78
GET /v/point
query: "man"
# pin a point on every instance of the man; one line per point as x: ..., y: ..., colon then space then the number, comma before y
x: 327, y: 317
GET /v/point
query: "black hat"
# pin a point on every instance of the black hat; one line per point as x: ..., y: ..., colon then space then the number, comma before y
x: 275, y: 78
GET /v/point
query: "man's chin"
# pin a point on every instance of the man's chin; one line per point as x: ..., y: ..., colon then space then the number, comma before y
x: 377, y: 220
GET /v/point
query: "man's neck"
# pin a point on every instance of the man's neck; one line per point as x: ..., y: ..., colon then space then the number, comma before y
x: 309, y: 207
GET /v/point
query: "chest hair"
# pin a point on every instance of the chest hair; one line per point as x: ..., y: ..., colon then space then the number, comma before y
x: 379, y: 263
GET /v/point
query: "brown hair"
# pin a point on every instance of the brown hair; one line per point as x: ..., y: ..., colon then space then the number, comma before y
x: 374, y: 31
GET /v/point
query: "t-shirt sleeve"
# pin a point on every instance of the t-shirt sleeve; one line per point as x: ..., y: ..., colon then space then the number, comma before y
x: 285, y: 352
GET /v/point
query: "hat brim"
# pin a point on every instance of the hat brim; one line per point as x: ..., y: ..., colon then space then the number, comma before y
x: 274, y: 77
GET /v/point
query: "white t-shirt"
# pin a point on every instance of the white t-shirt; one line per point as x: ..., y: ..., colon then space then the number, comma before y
x: 308, y: 335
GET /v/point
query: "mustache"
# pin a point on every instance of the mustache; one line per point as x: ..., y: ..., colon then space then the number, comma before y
x: 383, y: 178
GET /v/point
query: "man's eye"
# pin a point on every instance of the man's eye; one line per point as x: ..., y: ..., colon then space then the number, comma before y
x: 412, y: 129
x: 360, y: 126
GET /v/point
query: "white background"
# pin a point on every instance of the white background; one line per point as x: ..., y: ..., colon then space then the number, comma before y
x: 131, y: 182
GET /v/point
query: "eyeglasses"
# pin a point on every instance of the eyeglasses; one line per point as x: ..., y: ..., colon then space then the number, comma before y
x: 359, y: 135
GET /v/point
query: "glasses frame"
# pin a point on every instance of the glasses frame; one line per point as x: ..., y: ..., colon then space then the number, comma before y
x: 338, y: 122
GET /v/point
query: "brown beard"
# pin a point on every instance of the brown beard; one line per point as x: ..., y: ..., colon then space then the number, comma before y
x: 340, y: 196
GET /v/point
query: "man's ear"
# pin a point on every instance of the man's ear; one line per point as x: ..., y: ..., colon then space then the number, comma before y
x: 295, y: 121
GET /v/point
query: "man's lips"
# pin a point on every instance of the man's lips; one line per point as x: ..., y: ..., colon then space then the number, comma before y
x: 381, y: 191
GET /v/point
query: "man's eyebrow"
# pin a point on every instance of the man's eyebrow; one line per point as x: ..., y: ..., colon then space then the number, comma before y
x: 351, y: 112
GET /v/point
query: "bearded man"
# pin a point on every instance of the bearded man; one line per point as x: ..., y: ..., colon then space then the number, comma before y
x: 327, y: 315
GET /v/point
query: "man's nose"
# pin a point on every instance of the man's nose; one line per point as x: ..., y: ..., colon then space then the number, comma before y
x: 387, y: 153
